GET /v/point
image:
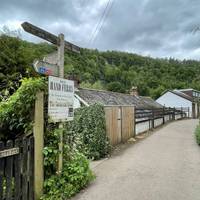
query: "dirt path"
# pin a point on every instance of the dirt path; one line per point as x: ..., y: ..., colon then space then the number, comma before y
x: 164, y: 166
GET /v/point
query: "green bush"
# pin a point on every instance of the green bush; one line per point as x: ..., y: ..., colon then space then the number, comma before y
x: 76, y: 175
x: 197, y: 133
x: 87, y: 129
x: 88, y: 132
x: 16, y: 113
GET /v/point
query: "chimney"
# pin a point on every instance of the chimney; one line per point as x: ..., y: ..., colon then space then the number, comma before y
x: 75, y: 79
x: 134, y: 91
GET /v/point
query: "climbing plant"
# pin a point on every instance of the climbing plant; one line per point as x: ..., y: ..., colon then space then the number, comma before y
x: 16, y: 118
x: 88, y: 132
x: 76, y: 173
x: 16, y: 113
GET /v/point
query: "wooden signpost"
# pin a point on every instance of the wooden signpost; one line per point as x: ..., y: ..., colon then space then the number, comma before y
x: 49, y: 66
x: 46, y: 68
x: 34, y: 30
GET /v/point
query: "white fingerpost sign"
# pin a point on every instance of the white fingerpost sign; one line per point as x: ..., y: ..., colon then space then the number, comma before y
x: 61, y: 99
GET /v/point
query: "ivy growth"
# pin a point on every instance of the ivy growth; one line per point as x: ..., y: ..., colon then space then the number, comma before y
x: 16, y: 113
x: 88, y: 132
x: 76, y: 173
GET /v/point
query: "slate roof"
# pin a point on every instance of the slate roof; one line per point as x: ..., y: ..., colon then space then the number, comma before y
x: 181, y: 94
x: 92, y: 96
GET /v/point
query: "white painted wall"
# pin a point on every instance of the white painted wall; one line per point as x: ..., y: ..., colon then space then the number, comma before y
x: 142, y: 127
x: 167, y: 118
x: 171, y: 100
x: 158, y: 122
x: 177, y: 117
x: 145, y: 126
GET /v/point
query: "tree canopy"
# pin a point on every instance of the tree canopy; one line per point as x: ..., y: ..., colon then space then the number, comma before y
x: 110, y: 70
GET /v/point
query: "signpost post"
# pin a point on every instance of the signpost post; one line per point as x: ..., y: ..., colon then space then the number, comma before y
x: 61, y: 75
x: 55, y: 68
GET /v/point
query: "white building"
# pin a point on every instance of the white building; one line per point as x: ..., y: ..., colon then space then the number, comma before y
x: 185, y: 98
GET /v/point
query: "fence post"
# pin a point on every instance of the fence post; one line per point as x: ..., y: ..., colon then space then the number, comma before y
x: 181, y: 112
x: 174, y: 113
x: 188, y: 112
x: 163, y: 115
x: 152, y: 118
x: 170, y: 114
x: 38, y: 132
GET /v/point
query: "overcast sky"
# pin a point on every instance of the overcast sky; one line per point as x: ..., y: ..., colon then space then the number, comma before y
x: 157, y: 28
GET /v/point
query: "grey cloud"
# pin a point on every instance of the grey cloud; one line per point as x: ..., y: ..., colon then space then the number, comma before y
x: 162, y: 28
x: 38, y: 11
x: 156, y: 27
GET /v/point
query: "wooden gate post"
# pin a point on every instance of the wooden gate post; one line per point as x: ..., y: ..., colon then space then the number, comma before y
x: 38, y: 132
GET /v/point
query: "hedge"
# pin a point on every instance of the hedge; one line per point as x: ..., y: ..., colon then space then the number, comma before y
x: 88, y: 132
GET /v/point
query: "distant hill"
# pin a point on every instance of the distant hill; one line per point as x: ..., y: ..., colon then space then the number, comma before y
x: 119, y: 71
x: 111, y: 70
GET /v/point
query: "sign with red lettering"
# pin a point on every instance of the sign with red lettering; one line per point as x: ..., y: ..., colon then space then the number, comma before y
x: 61, y: 99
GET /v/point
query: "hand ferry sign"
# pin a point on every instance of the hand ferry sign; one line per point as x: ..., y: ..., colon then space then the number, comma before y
x: 61, y: 99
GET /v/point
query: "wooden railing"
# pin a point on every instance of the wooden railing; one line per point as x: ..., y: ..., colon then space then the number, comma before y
x: 151, y: 118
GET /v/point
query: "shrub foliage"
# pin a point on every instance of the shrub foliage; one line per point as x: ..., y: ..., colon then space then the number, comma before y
x: 85, y: 134
x: 16, y: 113
x: 88, y: 132
x: 76, y: 173
x: 197, y: 133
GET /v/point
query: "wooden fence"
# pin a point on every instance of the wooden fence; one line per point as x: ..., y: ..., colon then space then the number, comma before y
x: 146, y: 119
x: 17, y: 169
x: 119, y: 123
x: 124, y: 122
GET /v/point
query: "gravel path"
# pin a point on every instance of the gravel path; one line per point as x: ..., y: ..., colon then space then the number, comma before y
x: 164, y: 166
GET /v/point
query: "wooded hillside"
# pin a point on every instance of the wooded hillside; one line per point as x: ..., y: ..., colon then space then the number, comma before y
x: 111, y: 70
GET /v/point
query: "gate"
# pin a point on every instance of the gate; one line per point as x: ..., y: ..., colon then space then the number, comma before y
x: 17, y: 169
x: 120, y: 124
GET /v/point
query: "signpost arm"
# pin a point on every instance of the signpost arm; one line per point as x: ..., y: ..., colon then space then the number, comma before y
x: 61, y: 75
x: 30, y: 28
